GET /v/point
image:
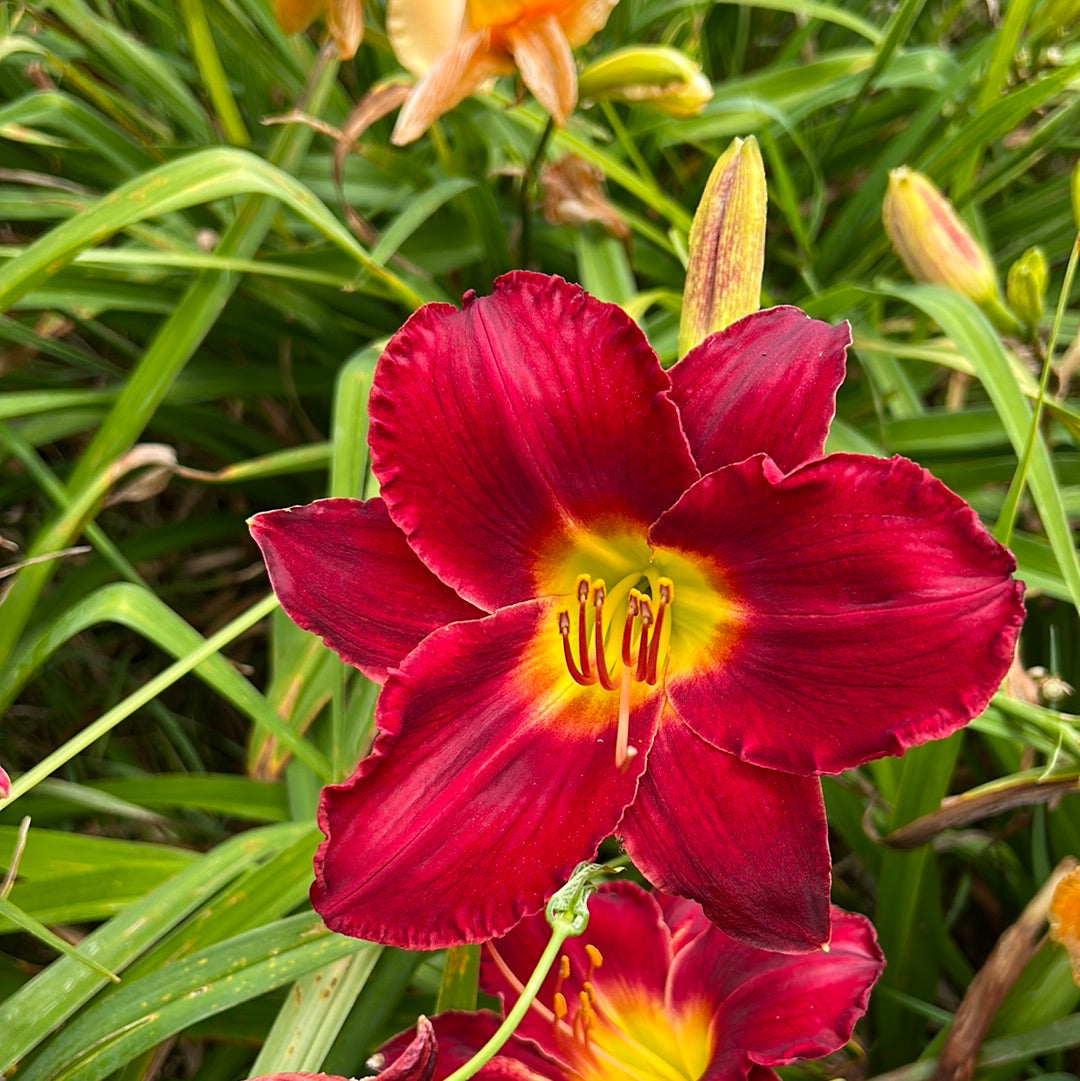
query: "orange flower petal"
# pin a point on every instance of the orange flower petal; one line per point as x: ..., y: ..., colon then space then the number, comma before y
x: 454, y: 76
x: 295, y: 15
x: 581, y: 20
x: 1065, y: 919
x: 421, y: 31
x: 547, y: 67
x: 345, y: 21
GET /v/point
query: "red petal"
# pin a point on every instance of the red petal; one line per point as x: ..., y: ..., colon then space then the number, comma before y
x: 766, y: 384
x: 628, y: 929
x: 344, y: 571
x: 877, y: 613
x: 460, y: 1035
x: 774, y: 1008
x: 413, y: 1059
x: 493, y: 776
x: 749, y: 844
x: 498, y: 429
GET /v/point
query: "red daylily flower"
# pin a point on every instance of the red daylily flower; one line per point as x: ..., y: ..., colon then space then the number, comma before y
x: 655, y: 992
x: 604, y: 598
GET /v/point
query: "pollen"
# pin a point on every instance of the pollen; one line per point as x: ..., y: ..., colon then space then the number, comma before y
x: 642, y: 650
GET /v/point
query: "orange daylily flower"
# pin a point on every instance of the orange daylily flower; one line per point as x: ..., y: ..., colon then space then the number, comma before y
x: 454, y: 46
x: 344, y: 20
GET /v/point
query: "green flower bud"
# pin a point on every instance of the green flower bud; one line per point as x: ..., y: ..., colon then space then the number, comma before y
x: 654, y: 75
x: 934, y: 244
x: 1025, y: 286
x: 727, y: 246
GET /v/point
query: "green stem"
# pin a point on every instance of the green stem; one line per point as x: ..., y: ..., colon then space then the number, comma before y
x: 212, y: 72
x: 1009, y: 509
x: 559, y: 934
x: 526, y: 186
x: 149, y: 690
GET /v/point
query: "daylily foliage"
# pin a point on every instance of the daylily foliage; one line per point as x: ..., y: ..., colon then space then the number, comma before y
x: 605, y: 598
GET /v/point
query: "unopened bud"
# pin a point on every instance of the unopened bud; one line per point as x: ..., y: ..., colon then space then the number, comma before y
x: 934, y: 244
x: 5, y: 784
x: 1025, y: 287
x: 727, y: 246
x: 655, y: 75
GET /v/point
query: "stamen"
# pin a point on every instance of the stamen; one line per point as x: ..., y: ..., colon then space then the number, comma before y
x: 559, y: 1007
x: 582, y: 635
x: 599, y: 593
x: 666, y: 591
x: 596, y: 958
x: 643, y: 646
x: 632, y: 609
x: 564, y: 632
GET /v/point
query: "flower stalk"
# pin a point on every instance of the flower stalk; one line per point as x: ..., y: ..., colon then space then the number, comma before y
x: 568, y: 915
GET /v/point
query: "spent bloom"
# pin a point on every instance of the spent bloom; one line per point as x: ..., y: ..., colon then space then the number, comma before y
x: 413, y: 1060
x: 454, y: 46
x: 653, y: 991
x: 344, y: 20
x: 605, y: 598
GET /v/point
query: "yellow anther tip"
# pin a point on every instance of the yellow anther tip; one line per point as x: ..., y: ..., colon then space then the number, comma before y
x: 558, y: 1005
x: 596, y: 958
x: 669, y: 585
x: 564, y: 967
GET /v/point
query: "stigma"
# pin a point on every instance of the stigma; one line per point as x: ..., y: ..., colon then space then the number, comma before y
x: 639, y: 659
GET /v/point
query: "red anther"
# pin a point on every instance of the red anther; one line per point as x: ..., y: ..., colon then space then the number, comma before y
x: 643, y: 646
x: 665, y: 592
x: 568, y: 656
x: 599, y: 593
x: 582, y: 632
x: 628, y: 626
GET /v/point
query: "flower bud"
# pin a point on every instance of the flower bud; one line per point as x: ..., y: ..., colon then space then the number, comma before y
x: 1025, y: 287
x: 654, y: 75
x: 934, y: 244
x: 727, y: 246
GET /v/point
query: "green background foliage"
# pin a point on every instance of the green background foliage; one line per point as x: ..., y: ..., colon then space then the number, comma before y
x: 189, y: 334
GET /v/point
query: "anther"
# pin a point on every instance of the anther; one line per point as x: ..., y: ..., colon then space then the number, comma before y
x: 558, y: 1005
x: 582, y: 636
x: 564, y: 632
x: 599, y: 592
x: 596, y: 958
x: 666, y: 593
x: 643, y: 646
x: 632, y: 609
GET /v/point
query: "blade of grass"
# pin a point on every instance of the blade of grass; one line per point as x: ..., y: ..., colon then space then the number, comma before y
x: 977, y: 340
x: 151, y: 689
x: 59, y: 991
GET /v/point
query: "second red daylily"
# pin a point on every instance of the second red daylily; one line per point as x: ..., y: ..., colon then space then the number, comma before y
x: 604, y: 598
x: 653, y: 992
